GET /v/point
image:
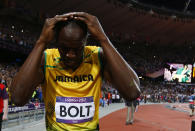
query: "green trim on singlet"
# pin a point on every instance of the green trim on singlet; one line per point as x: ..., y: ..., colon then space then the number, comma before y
x: 54, y: 67
x: 57, y: 60
x: 51, y: 66
x: 89, y: 54
x: 45, y: 63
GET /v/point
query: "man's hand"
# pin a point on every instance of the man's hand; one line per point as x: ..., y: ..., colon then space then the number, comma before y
x: 4, y: 117
x: 93, y: 24
x: 47, y: 34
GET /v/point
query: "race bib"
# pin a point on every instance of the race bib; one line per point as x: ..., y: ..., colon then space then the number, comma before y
x: 74, y: 109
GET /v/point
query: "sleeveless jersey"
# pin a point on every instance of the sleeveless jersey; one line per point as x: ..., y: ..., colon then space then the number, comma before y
x: 72, y: 97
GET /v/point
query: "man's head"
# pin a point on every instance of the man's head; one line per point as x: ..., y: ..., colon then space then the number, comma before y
x: 71, y: 38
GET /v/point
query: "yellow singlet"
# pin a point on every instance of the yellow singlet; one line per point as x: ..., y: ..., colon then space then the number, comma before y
x: 72, y: 97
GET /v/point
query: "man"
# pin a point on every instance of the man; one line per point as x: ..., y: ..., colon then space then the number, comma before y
x: 192, y: 105
x: 130, y: 105
x: 72, y: 74
x: 3, y: 103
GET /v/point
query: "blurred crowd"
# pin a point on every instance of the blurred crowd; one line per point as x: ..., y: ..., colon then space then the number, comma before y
x: 157, y: 92
x: 7, y: 72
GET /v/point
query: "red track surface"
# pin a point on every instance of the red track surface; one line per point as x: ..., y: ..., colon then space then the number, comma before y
x: 148, y: 118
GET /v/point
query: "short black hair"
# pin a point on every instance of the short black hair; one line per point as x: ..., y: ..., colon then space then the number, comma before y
x: 59, y: 25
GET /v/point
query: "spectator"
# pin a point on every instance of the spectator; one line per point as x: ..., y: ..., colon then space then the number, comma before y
x: 130, y: 105
x: 3, y: 104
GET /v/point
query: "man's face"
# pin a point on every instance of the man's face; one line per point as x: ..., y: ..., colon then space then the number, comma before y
x: 71, y: 42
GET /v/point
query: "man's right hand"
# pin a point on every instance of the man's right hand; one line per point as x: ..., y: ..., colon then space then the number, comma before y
x: 47, y: 34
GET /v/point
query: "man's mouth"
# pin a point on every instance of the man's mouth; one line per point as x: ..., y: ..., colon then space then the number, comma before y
x: 70, y: 62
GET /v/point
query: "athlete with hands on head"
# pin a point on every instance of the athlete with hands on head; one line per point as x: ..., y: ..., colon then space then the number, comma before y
x: 71, y: 74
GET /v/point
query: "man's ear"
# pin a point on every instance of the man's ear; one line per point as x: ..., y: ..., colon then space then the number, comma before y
x: 85, y: 40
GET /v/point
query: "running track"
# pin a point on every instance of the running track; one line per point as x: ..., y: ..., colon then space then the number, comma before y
x: 156, y: 117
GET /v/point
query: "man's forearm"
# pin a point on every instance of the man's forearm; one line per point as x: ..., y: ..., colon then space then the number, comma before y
x: 28, y: 77
x: 123, y: 76
x: 5, y: 104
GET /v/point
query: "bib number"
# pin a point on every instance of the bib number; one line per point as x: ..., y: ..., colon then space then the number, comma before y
x: 74, y: 109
